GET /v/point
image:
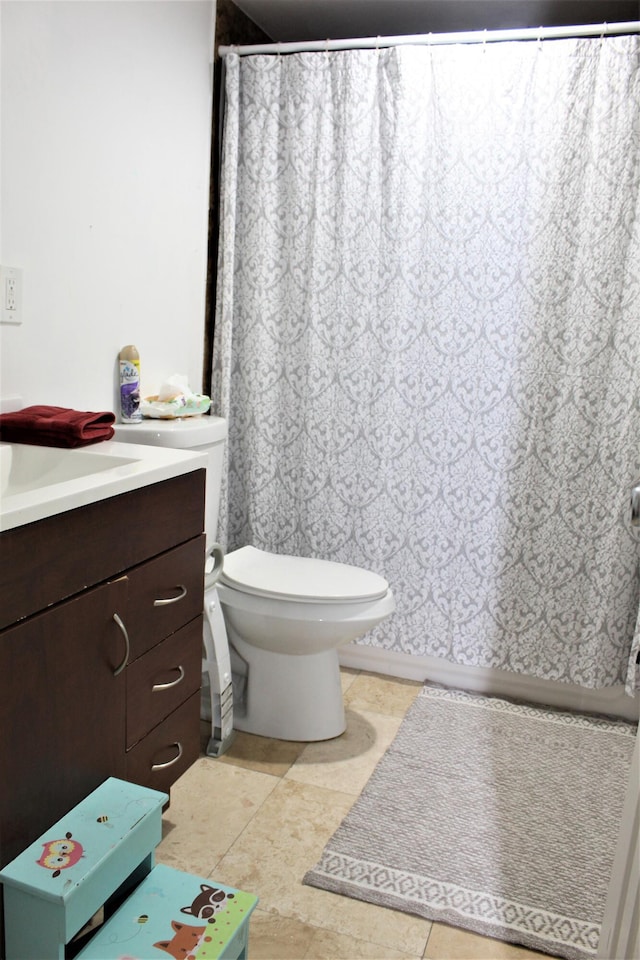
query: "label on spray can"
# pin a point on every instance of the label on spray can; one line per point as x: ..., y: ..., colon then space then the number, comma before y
x: 130, y: 391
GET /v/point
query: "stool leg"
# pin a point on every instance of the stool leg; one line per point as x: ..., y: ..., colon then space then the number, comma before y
x: 33, y: 927
x: 245, y: 942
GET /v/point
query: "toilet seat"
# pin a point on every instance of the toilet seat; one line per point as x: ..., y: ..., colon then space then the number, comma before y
x: 264, y: 574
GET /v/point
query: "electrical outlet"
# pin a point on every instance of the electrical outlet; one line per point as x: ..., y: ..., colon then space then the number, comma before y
x: 10, y: 295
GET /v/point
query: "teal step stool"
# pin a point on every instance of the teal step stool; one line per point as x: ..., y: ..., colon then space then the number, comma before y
x: 102, y: 853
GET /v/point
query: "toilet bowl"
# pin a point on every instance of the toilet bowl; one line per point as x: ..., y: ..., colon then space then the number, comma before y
x: 285, y: 618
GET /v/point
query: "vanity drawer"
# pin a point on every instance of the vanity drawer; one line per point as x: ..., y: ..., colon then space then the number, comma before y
x: 162, y: 679
x: 164, y: 754
x: 49, y: 560
x: 164, y: 594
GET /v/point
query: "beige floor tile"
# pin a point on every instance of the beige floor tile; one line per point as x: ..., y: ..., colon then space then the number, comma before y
x: 285, y: 839
x: 347, y: 762
x: 452, y: 943
x: 347, y: 676
x: 211, y: 805
x: 328, y: 945
x: 263, y: 754
x: 377, y: 694
x: 272, y: 937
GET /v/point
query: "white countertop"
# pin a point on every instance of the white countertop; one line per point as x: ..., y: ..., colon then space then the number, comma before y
x: 38, y: 482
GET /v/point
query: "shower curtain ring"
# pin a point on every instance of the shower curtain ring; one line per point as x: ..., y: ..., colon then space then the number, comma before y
x: 604, y: 30
x: 484, y: 40
x: 540, y: 37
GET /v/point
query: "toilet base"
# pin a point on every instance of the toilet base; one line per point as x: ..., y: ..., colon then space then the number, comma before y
x: 289, y: 697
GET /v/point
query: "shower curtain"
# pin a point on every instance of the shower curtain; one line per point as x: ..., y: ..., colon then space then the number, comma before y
x: 428, y: 338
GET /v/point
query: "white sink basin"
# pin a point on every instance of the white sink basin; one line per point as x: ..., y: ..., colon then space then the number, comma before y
x: 37, y: 482
x: 24, y: 467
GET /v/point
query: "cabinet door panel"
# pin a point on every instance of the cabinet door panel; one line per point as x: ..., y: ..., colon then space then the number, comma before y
x: 171, y: 747
x: 164, y: 594
x: 162, y: 679
x: 62, y: 711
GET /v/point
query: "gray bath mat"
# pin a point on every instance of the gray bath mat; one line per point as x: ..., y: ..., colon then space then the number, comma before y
x: 498, y: 817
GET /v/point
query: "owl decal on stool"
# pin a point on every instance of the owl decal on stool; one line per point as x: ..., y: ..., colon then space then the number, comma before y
x: 57, y: 855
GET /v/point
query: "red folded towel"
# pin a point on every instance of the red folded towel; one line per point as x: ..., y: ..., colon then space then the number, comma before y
x: 56, y: 426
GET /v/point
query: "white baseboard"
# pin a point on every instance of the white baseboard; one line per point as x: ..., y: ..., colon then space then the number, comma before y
x: 567, y: 696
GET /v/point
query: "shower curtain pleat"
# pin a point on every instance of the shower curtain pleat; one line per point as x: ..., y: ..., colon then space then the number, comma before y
x: 427, y: 338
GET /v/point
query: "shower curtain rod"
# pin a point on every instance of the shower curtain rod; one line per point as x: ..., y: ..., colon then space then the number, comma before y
x: 471, y: 36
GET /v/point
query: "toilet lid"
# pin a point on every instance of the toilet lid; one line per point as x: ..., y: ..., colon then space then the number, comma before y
x: 299, y: 578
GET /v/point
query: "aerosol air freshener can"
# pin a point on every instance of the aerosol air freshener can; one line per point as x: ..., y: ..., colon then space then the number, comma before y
x: 130, y: 385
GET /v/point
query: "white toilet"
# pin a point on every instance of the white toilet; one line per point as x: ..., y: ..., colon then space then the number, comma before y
x: 285, y: 616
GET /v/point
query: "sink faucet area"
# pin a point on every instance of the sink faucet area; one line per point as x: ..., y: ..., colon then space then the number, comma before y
x: 38, y: 482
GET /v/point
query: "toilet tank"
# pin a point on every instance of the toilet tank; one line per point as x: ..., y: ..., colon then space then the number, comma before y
x: 202, y: 435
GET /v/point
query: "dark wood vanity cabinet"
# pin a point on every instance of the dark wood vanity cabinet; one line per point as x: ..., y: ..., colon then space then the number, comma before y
x: 62, y: 711
x: 100, y: 651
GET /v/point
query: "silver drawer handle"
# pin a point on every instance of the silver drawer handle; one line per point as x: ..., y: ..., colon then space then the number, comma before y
x: 123, y: 629
x: 181, y: 596
x: 172, y: 683
x: 169, y: 763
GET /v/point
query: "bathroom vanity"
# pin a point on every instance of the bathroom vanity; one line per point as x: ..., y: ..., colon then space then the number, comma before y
x: 100, y: 648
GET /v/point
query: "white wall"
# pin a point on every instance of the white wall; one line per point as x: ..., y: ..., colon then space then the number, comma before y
x: 105, y: 115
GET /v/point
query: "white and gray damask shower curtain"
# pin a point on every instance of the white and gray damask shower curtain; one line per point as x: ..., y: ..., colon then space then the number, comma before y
x: 428, y: 338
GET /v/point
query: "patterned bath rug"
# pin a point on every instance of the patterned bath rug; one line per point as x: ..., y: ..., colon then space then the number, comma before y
x: 494, y: 816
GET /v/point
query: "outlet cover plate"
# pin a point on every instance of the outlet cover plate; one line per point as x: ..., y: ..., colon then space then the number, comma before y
x: 10, y: 295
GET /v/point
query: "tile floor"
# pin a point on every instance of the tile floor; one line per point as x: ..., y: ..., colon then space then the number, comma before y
x: 259, y: 816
